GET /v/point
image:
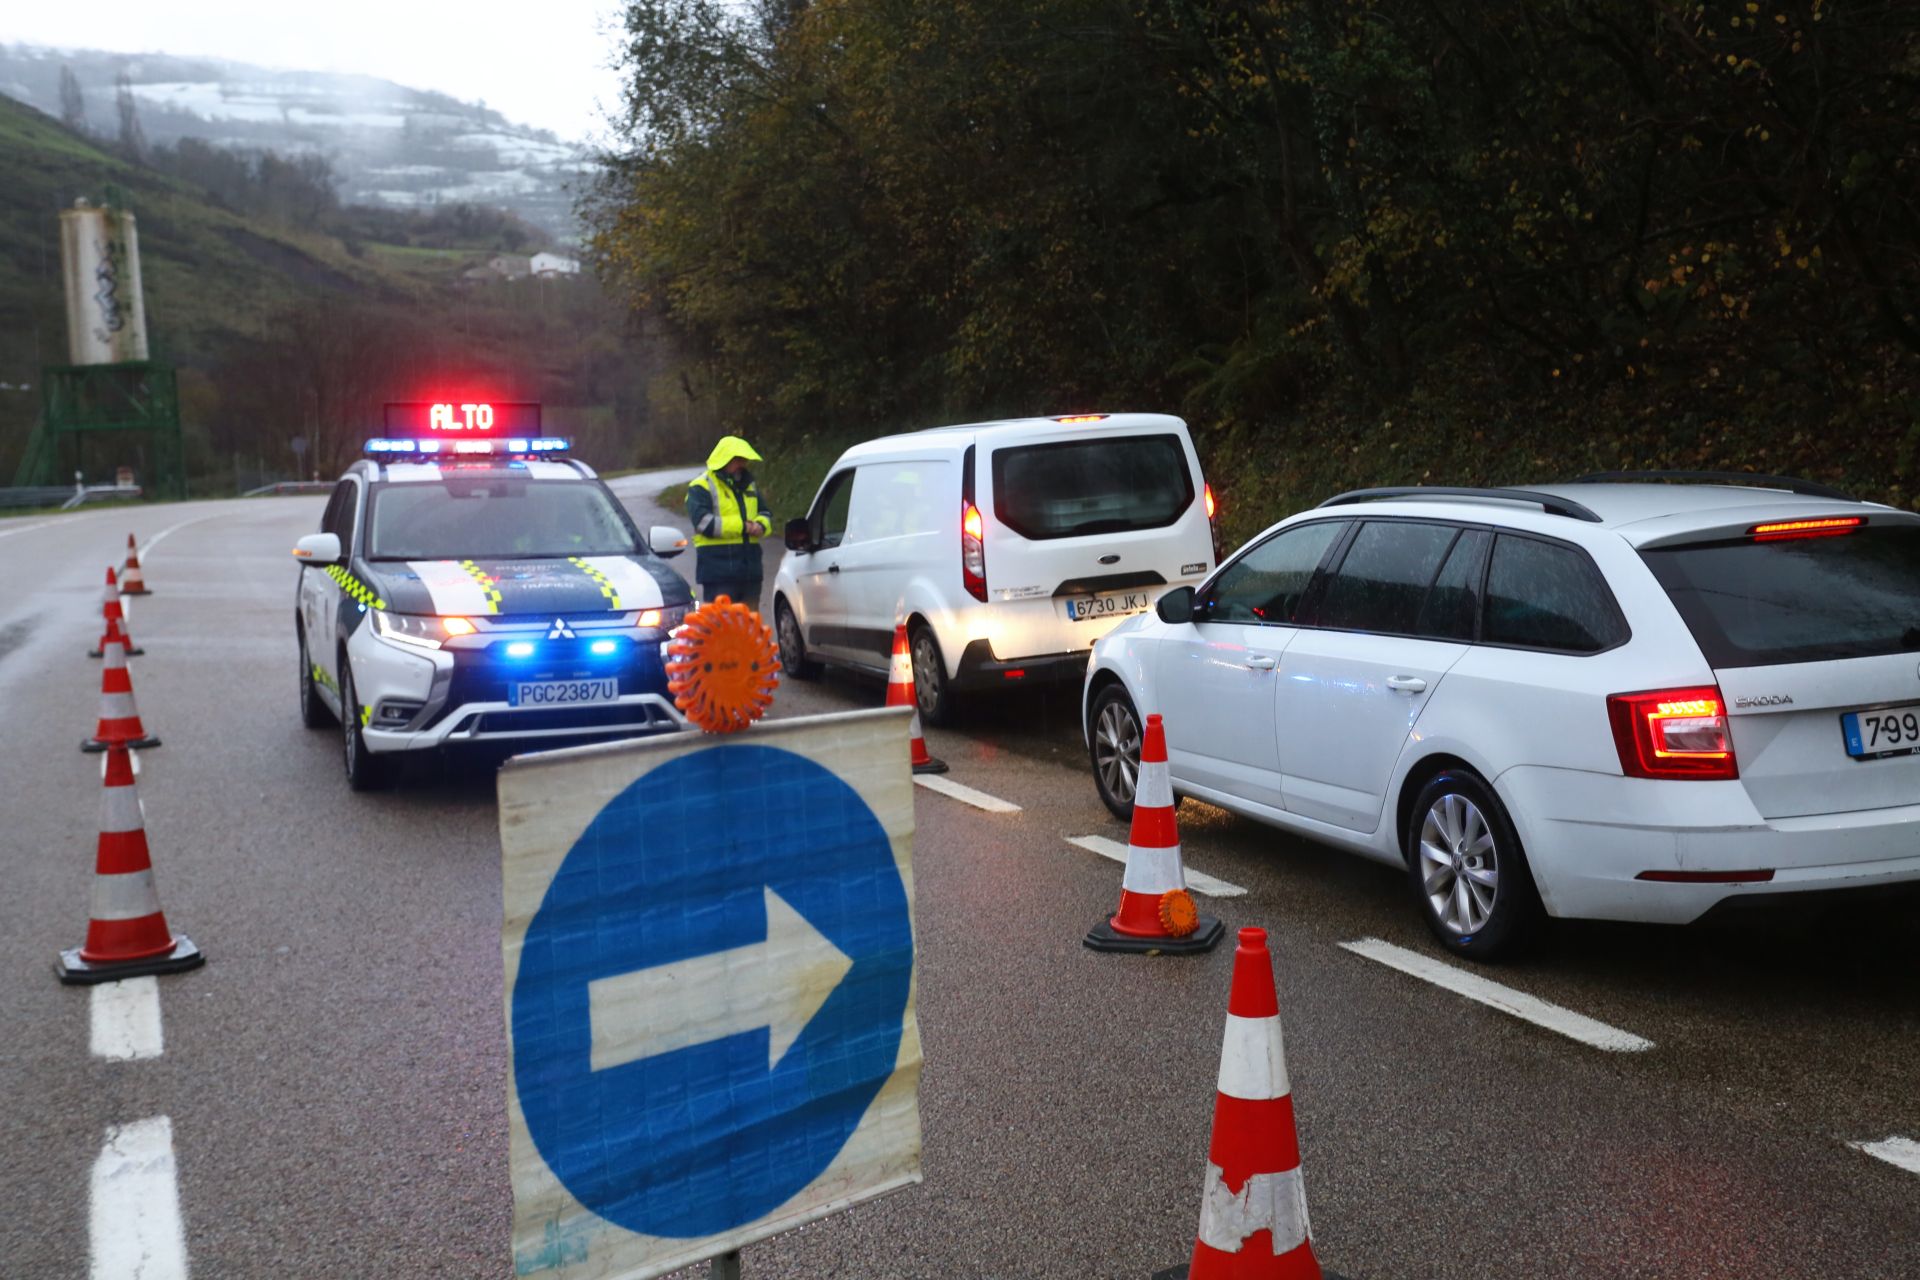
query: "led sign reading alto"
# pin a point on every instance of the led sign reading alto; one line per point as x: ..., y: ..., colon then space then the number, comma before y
x: 462, y: 417
x: 422, y: 420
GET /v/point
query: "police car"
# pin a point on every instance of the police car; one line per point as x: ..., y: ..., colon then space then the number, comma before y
x: 471, y: 584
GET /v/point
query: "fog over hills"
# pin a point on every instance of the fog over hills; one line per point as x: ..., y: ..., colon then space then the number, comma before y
x: 390, y: 145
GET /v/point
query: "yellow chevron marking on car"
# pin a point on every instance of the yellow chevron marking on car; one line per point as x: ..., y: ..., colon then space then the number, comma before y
x: 487, y: 584
x: 366, y: 716
x: 320, y: 676
x: 357, y: 590
x: 599, y: 580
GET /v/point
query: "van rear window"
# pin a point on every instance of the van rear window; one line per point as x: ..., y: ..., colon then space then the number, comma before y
x: 1080, y: 487
x: 1752, y: 604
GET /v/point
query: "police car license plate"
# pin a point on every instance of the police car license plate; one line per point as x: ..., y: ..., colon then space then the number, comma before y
x: 562, y: 693
x: 1084, y: 608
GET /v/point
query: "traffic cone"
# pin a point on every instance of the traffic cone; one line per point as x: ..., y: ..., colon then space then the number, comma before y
x: 1253, y: 1210
x: 1156, y: 911
x: 901, y: 693
x: 127, y: 934
x: 116, y: 620
x: 119, y: 718
x: 132, y: 581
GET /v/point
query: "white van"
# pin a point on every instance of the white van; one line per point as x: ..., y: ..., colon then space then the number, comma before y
x: 1007, y: 548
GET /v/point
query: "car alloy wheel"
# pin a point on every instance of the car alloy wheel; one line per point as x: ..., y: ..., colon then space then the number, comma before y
x: 1459, y: 865
x: 1116, y: 750
x: 929, y: 677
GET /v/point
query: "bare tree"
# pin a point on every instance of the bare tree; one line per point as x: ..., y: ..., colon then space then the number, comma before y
x: 133, y: 140
x: 73, y: 103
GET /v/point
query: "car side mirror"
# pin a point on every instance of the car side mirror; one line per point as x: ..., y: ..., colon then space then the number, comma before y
x: 666, y: 541
x: 1176, y: 605
x: 318, y: 548
x: 799, y: 534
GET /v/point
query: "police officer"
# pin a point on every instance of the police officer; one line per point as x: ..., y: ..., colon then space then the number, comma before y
x: 728, y: 522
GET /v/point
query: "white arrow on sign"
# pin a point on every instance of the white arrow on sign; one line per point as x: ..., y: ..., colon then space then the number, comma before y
x: 778, y: 984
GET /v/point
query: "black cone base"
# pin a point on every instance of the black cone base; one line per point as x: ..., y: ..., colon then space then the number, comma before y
x: 1103, y: 937
x: 72, y: 969
x: 1180, y: 1273
x: 931, y: 766
x: 94, y: 745
x: 141, y: 592
x: 101, y: 653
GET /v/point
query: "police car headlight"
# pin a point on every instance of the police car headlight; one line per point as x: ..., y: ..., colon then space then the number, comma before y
x: 658, y: 619
x: 412, y: 630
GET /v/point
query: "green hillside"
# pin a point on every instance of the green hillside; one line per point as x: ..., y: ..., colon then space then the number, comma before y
x: 211, y: 276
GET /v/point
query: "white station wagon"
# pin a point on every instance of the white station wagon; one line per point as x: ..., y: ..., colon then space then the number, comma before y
x: 1622, y: 698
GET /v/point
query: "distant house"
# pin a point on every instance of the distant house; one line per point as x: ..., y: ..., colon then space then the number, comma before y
x: 511, y: 266
x: 552, y: 264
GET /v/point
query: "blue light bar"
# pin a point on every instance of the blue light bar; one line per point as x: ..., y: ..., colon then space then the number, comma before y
x: 520, y: 649
x: 602, y: 647
x: 504, y: 447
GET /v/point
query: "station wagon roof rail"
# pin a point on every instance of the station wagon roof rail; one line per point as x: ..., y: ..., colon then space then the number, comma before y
x: 1552, y: 504
x: 1744, y: 479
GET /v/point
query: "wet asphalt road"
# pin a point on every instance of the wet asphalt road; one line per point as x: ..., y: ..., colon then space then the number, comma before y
x: 335, y: 1075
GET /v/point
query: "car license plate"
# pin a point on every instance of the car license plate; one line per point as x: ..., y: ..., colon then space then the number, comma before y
x: 1889, y: 731
x: 562, y: 693
x: 1082, y: 608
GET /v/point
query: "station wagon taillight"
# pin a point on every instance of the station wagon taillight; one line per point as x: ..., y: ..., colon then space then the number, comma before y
x: 973, y: 552
x: 1673, y: 733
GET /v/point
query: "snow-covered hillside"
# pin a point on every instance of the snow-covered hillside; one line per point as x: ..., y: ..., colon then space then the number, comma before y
x: 389, y: 144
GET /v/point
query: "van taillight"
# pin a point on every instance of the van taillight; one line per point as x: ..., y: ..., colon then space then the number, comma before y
x: 1673, y: 733
x: 973, y: 552
x: 1211, y: 505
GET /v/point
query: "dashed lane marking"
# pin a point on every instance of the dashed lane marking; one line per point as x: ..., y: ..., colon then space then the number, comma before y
x: 126, y: 1020
x: 1198, y: 881
x: 1903, y: 1153
x: 134, y: 1224
x: 1540, y: 1012
x: 965, y: 794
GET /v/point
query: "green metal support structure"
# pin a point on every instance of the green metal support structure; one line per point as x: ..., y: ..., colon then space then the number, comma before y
x: 105, y: 416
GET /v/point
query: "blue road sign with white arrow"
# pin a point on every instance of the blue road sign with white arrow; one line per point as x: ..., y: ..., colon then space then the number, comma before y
x: 712, y: 990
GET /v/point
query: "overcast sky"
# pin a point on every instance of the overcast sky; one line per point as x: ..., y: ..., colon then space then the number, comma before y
x: 542, y: 64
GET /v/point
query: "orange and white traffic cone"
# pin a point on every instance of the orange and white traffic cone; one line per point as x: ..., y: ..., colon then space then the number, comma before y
x: 132, y: 581
x: 116, y: 621
x: 119, y: 717
x: 1253, y: 1210
x: 901, y: 693
x: 127, y: 934
x: 1156, y: 911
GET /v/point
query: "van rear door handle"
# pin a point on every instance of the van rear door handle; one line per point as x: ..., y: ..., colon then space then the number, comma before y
x: 1260, y: 661
x: 1407, y: 684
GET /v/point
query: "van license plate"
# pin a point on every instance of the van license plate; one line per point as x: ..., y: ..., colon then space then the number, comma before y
x: 1083, y: 608
x: 1890, y: 731
x: 563, y: 693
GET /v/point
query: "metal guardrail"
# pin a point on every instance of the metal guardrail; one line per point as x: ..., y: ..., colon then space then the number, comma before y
x: 290, y: 486
x: 64, y: 496
x: 89, y: 492
x: 47, y: 495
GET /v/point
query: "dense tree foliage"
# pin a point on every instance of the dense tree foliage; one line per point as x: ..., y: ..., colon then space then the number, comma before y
x: 883, y: 212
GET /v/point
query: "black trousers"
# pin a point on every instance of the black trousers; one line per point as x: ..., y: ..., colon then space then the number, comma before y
x: 741, y: 590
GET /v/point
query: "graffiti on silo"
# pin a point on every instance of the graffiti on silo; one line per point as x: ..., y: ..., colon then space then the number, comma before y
x: 106, y: 311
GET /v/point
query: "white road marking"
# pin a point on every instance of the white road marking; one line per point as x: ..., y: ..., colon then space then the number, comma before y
x: 126, y: 1019
x: 154, y: 541
x: 965, y: 794
x: 1540, y: 1012
x: 1198, y: 881
x: 1903, y: 1153
x: 135, y: 1225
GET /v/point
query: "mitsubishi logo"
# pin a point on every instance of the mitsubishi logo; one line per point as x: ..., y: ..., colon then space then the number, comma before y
x: 560, y: 631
